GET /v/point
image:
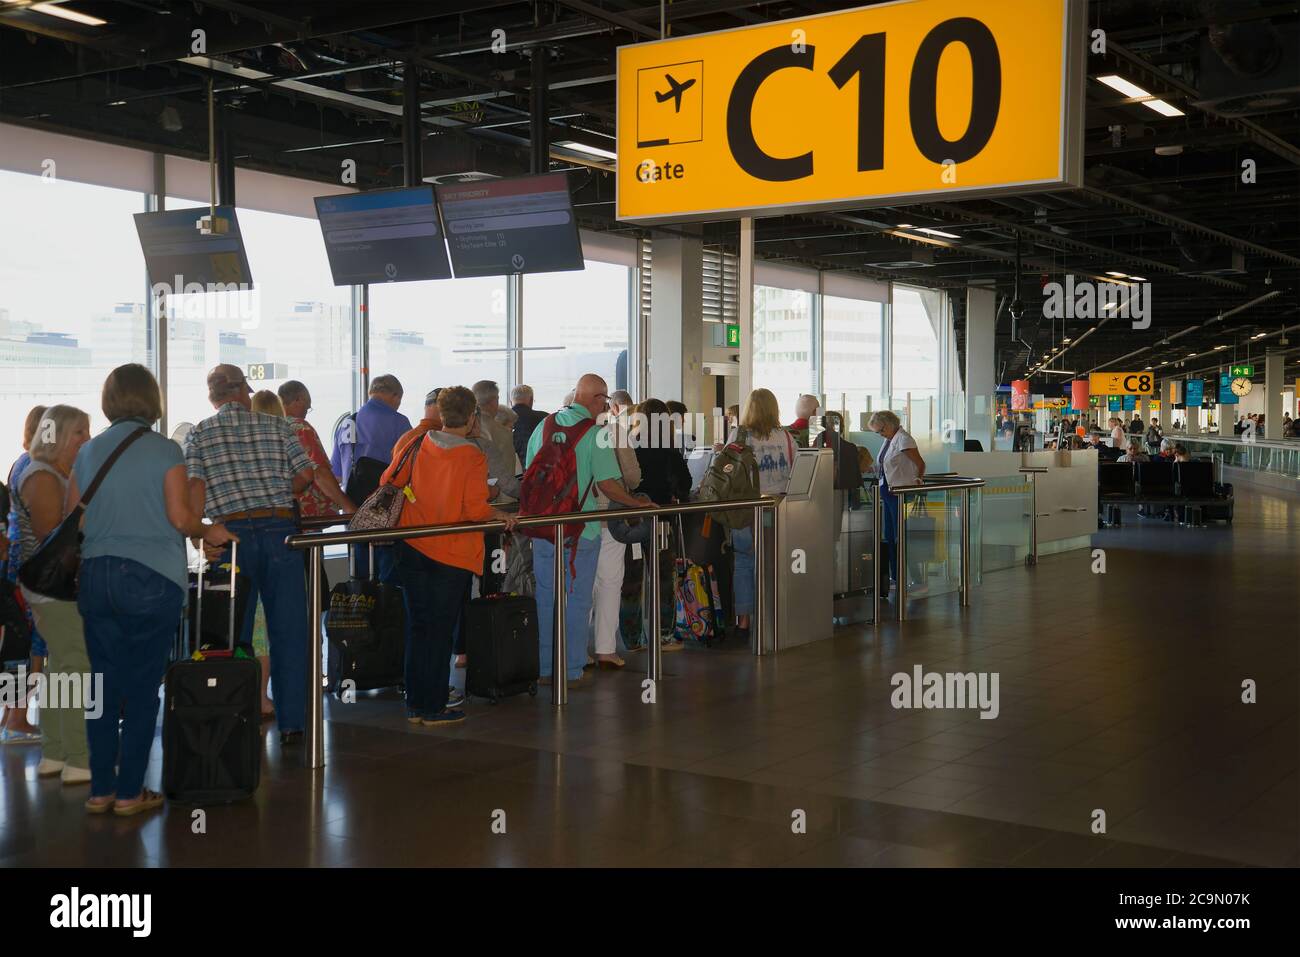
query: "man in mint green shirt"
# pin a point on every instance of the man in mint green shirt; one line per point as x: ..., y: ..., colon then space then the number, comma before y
x: 597, y: 469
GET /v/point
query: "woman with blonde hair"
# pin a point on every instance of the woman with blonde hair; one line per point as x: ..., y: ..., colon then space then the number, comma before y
x: 774, y: 451
x: 268, y: 403
x: 41, y: 497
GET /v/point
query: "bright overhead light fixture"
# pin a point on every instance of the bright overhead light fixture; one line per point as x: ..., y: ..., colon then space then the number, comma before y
x: 584, y: 148
x: 76, y: 16
x: 1191, y: 355
x: 1260, y: 335
x: 1138, y: 278
x: 1163, y: 108
x: 937, y: 232
x: 1117, y: 275
x: 906, y: 226
x: 1217, y: 348
x: 1067, y: 340
x: 1121, y: 85
x: 1057, y: 372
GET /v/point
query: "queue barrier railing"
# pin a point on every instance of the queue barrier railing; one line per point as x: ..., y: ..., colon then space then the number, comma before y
x: 316, y: 542
x: 946, y: 483
x: 1032, y: 472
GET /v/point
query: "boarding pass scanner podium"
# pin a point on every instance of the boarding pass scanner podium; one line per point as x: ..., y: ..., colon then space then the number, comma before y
x: 799, y: 541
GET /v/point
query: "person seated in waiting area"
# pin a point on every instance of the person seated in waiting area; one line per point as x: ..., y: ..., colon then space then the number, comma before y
x: 1134, y: 453
x: 1167, y: 449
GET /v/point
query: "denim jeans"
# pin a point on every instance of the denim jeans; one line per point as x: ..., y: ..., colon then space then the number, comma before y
x: 275, y: 575
x: 435, y: 600
x: 131, y: 614
x: 577, y: 620
x: 742, y: 545
x: 385, y: 562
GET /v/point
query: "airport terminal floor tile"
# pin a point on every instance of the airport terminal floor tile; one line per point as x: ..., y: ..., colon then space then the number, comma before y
x: 1119, y: 692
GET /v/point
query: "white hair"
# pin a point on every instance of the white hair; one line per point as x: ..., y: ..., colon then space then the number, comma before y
x: 521, y: 394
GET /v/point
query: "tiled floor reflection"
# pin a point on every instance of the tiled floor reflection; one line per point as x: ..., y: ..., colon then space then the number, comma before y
x: 1119, y: 692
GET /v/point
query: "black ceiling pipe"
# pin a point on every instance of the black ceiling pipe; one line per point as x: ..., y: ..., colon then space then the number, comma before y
x: 412, y: 127
x: 539, y: 146
x: 225, y: 157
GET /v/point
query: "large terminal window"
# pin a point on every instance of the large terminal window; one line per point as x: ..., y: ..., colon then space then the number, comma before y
x: 294, y: 324
x: 575, y: 323
x: 917, y: 318
x: 72, y: 297
x: 853, y: 316
x: 785, y: 340
x: 441, y: 332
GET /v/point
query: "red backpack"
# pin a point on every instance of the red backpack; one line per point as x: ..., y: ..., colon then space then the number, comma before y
x: 550, y: 484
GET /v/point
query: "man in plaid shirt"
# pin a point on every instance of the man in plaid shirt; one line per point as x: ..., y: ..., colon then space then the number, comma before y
x: 245, y: 469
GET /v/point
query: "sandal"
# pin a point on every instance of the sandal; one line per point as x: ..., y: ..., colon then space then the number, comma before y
x: 101, y: 804
x: 147, y: 801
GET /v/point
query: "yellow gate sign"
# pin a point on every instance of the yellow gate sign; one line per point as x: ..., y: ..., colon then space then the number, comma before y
x: 903, y: 101
x: 1122, y: 383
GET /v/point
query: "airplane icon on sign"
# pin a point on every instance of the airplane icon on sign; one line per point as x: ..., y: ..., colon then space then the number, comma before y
x: 674, y: 91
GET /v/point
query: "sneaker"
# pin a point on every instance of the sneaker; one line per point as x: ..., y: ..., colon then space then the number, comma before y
x: 48, y: 768
x: 73, y: 775
x: 455, y: 697
x: 442, y: 718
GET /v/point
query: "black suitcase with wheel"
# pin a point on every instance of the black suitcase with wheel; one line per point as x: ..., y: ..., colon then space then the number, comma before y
x: 212, y: 741
x: 502, y: 645
x: 366, y: 627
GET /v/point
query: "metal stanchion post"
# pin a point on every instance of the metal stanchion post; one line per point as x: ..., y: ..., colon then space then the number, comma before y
x: 560, y: 642
x: 758, y: 619
x: 653, y: 649
x: 776, y: 591
x: 902, y: 556
x: 315, y: 750
x: 965, y: 547
x: 1033, y: 517
x: 876, y: 531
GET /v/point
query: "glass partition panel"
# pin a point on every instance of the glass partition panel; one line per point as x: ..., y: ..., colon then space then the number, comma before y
x: 933, y: 527
x: 1001, y: 516
x: 72, y: 297
x: 575, y: 323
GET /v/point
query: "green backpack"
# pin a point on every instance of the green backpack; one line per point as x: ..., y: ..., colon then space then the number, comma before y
x: 732, y: 476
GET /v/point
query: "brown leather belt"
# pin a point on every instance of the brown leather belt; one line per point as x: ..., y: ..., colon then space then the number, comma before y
x: 257, y: 513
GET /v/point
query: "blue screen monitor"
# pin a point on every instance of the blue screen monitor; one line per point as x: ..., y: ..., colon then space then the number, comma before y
x: 385, y: 235
x: 504, y: 227
x: 177, y: 254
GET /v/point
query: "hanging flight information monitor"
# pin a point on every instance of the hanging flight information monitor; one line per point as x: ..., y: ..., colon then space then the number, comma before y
x: 384, y: 235
x: 502, y: 227
x: 899, y: 102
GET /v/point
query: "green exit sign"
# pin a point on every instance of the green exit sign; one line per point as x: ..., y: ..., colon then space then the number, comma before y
x: 733, y: 336
x: 1242, y: 371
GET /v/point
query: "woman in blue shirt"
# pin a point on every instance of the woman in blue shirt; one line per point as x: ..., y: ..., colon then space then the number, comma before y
x: 133, y: 582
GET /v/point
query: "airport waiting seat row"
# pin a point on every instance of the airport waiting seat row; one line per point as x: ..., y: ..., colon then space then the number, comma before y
x: 1181, y: 484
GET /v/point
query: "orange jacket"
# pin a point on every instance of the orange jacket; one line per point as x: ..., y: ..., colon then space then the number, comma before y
x: 448, y: 478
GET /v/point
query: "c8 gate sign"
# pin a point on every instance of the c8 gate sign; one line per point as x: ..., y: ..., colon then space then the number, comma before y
x: 901, y: 101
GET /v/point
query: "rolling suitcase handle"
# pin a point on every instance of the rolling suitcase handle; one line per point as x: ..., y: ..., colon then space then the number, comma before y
x: 352, y: 561
x: 198, y: 601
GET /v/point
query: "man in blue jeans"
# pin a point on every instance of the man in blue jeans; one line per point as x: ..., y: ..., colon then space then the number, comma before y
x: 245, y: 470
x: 598, y: 467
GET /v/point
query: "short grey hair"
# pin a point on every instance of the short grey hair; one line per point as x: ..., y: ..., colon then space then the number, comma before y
x: 884, y: 417
x: 485, y: 390
x: 621, y: 397
x: 521, y: 394
x: 569, y: 397
x: 386, y: 385
x: 292, y: 391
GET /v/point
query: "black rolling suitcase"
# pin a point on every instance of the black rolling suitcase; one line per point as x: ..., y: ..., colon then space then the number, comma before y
x: 212, y: 741
x: 502, y: 644
x: 366, y: 627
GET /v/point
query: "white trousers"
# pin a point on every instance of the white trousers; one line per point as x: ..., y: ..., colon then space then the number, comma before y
x: 606, y: 595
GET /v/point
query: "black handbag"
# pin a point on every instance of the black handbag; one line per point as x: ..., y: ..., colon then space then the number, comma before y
x: 53, y: 568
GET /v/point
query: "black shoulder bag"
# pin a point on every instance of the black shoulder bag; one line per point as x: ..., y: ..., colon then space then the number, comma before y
x: 53, y: 568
